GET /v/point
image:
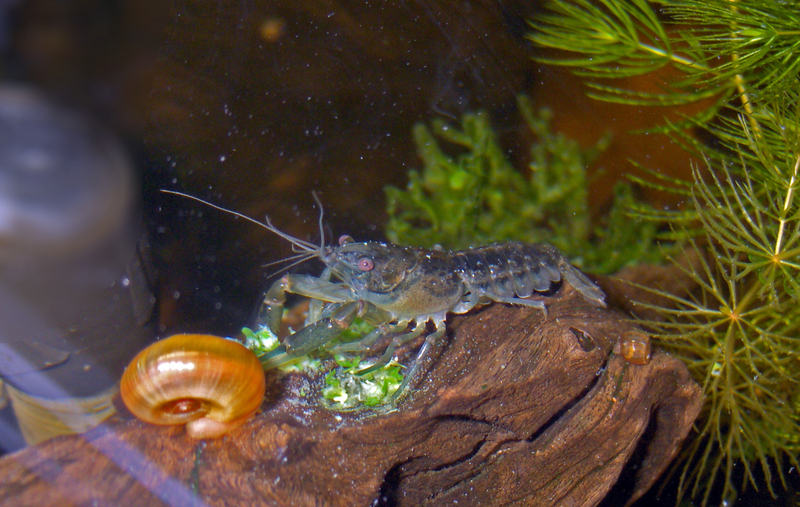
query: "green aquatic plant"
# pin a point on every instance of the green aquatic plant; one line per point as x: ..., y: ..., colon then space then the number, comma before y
x: 469, y: 194
x: 738, y: 329
x: 721, y: 49
x: 263, y: 341
x: 346, y: 387
x: 738, y: 332
x: 260, y: 341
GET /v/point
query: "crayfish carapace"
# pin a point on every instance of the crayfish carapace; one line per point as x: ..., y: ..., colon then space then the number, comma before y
x: 401, y: 289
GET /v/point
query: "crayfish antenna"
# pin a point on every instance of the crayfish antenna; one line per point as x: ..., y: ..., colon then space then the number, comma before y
x: 321, y: 228
x: 306, y: 246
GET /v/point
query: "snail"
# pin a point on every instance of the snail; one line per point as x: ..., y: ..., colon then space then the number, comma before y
x: 208, y: 383
x: 634, y: 346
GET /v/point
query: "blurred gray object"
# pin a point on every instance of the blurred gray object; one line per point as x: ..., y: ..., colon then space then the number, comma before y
x: 65, y: 184
x: 74, y: 291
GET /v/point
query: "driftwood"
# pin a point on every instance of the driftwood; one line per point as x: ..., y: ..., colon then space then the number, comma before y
x: 519, y: 409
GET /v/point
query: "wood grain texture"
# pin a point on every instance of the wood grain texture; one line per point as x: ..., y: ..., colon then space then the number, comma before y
x: 518, y: 409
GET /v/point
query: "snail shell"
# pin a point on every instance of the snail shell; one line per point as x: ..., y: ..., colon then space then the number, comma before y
x: 208, y: 383
x: 634, y: 347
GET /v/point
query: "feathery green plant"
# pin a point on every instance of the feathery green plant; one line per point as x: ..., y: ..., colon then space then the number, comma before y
x: 722, y: 48
x: 738, y: 332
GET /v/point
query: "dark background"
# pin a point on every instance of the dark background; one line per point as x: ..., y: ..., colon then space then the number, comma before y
x: 254, y: 104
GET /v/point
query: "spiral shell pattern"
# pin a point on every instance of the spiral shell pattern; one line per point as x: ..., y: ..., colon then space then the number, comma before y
x: 208, y: 383
x: 635, y: 347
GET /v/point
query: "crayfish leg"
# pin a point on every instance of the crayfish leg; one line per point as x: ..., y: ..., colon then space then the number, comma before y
x: 581, y: 282
x: 320, y: 290
x: 533, y: 303
x: 271, y: 311
x: 318, y: 333
x: 432, y: 341
x: 397, y: 340
x: 275, y: 358
x: 312, y: 336
x: 369, y: 340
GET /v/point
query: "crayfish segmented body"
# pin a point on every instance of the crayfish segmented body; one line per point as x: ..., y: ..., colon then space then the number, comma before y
x: 401, y: 289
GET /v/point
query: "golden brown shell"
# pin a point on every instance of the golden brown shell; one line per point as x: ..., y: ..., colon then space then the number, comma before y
x: 208, y: 383
x: 634, y: 346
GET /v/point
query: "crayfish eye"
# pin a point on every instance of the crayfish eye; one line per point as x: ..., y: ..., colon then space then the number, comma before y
x: 365, y: 264
x: 343, y: 240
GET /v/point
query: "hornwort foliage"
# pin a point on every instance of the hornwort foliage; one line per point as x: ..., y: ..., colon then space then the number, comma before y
x: 738, y: 330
